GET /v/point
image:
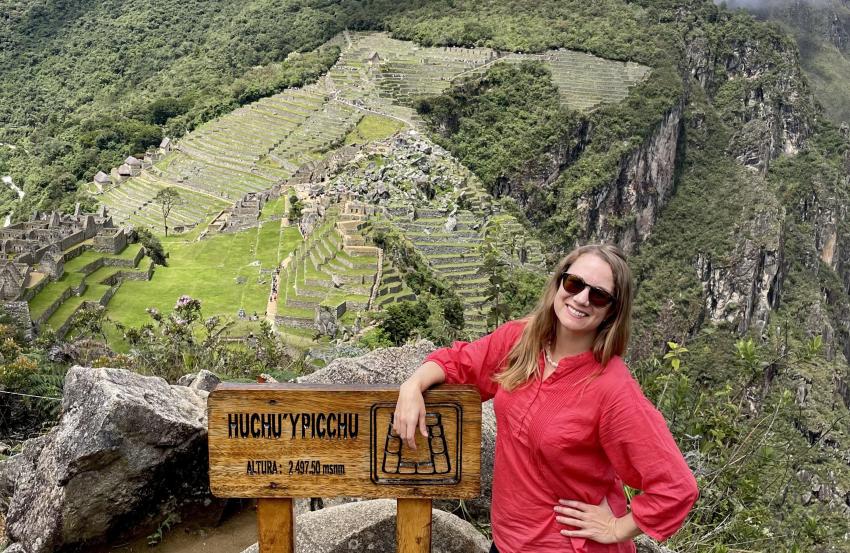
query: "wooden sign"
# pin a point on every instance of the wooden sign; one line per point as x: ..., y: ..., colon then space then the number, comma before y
x: 290, y: 440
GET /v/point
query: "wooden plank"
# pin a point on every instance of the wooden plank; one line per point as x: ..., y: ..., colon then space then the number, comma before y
x: 276, y: 525
x: 413, y: 525
x: 288, y: 440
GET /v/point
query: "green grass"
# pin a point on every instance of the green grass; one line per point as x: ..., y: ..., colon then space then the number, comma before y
x: 373, y: 127
x: 93, y: 293
x: 103, y: 273
x: 72, y: 277
x: 89, y: 256
x: 274, y: 207
x: 208, y: 270
x: 51, y: 292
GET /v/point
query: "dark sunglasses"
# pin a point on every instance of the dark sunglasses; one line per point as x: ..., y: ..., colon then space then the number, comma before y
x: 575, y: 284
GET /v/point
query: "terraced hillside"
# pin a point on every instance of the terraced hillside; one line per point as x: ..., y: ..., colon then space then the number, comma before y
x: 90, y: 277
x: 333, y: 276
x: 132, y: 202
x: 456, y: 252
x: 404, y: 71
x: 263, y: 143
x: 442, y: 211
x: 585, y: 81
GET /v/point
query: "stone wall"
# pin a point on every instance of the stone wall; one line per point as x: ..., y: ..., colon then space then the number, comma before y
x: 74, y: 239
x: 19, y: 311
x: 74, y: 252
x: 294, y: 322
x: 51, y: 309
x: 111, y: 240
x: 31, y: 292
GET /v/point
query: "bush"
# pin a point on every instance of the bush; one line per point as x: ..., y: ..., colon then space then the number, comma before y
x: 153, y: 247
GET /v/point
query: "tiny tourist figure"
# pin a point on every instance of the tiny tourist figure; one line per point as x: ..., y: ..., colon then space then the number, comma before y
x: 573, y: 424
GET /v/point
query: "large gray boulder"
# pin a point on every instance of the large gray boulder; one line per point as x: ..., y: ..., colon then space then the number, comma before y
x: 203, y: 380
x: 124, y: 444
x: 370, y: 526
x: 381, y: 366
x: 394, y: 366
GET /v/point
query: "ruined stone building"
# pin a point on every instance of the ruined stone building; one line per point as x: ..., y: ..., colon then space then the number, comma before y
x: 33, y: 253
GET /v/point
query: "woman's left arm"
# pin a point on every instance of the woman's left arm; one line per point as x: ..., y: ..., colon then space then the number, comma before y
x: 637, y: 442
x: 642, y: 451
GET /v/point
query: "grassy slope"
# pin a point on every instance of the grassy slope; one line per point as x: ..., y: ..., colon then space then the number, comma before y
x: 208, y: 270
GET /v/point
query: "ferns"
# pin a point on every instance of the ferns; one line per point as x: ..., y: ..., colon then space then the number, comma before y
x: 48, y: 382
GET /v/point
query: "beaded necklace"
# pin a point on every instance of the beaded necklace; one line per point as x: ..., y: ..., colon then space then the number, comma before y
x: 549, y: 357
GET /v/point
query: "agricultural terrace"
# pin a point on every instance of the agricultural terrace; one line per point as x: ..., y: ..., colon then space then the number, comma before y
x: 404, y: 71
x: 335, y: 266
x: 132, y: 202
x: 89, y: 277
x: 263, y: 143
x: 457, y: 256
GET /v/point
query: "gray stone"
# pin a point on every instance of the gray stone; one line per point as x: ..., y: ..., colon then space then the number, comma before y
x: 645, y: 544
x: 205, y: 380
x: 381, y: 366
x: 371, y: 526
x: 451, y: 224
x: 123, y: 445
x: 15, y: 548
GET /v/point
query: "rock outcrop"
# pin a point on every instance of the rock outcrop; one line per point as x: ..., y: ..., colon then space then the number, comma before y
x: 370, y: 526
x: 202, y: 380
x: 743, y: 289
x: 123, y: 445
x: 760, y: 91
x: 625, y: 211
x: 381, y: 366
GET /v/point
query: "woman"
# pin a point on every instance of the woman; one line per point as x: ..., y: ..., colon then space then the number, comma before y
x: 573, y: 424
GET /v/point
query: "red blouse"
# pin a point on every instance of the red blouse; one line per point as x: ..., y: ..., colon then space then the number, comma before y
x: 572, y: 436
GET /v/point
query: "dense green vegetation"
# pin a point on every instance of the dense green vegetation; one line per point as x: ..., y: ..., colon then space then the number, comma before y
x: 509, y: 128
x: 438, y: 315
x: 502, y: 124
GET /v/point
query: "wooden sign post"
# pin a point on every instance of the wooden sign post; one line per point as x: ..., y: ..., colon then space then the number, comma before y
x: 275, y: 442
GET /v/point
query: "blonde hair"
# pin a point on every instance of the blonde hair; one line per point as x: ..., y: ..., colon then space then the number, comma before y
x: 611, y: 339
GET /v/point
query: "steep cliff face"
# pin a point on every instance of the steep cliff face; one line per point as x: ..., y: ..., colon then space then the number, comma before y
x: 756, y: 83
x: 531, y: 187
x: 743, y: 289
x: 823, y: 212
x: 625, y: 210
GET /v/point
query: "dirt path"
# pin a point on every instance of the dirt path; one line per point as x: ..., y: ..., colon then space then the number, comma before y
x: 233, y: 536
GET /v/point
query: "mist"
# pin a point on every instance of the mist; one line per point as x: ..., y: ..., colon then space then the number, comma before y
x: 762, y: 4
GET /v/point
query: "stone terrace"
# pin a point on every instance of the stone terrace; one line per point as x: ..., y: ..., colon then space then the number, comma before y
x: 333, y: 275
x: 262, y: 144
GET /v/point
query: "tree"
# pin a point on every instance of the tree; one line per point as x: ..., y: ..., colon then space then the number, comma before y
x: 295, y: 208
x: 153, y: 247
x: 167, y: 198
x: 495, y: 268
